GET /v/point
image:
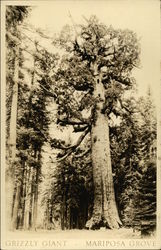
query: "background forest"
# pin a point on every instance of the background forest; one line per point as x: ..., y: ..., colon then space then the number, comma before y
x: 54, y: 115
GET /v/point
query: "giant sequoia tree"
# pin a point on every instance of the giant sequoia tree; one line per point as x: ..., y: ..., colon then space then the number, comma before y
x: 94, y: 73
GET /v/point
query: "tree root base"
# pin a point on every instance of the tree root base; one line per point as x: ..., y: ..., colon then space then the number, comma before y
x: 95, y: 224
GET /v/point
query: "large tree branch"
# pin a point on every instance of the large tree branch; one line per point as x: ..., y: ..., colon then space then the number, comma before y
x: 83, y: 153
x: 80, y: 139
x: 68, y: 121
x: 72, y: 148
x: 62, y: 158
x: 57, y: 144
x: 79, y: 128
x: 65, y: 156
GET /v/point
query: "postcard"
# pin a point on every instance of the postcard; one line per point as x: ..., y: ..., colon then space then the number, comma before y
x: 80, y: 124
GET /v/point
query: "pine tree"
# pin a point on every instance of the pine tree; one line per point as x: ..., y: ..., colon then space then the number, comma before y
x: 126, y: 156
x: 27, y: 117
x: 14, y: 18
x: 145, y: 204
x: 133, y: 144
x: 147, y: 196
x: 33, y: 132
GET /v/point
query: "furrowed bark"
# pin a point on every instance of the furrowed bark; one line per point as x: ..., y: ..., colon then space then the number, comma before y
x: 104, y: 210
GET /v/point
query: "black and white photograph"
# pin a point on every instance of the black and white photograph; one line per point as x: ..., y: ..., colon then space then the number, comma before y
x: 80, y: 124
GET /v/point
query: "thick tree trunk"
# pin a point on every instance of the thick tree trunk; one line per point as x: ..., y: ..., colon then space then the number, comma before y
x: 104, y: 210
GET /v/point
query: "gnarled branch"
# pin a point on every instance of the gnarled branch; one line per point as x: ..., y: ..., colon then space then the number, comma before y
x: 59, y: 145
x: 79, y: 128
x: 72, y: 149
x: 83, y: 153
x: 65, y: 122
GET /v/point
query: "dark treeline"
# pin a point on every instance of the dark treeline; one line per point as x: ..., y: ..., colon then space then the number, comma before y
x: 107, y: 178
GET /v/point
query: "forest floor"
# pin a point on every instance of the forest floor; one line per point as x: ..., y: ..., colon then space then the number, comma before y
x: 122, y: 233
